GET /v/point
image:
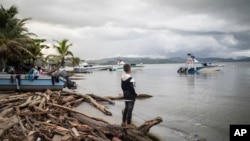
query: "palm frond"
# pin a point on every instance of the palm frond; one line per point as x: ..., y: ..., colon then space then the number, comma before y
x: 69, y: 53
x: 17, y: 46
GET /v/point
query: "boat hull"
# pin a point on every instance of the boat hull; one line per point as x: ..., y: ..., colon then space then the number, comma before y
x: 120, y: 68
x: 89, y: 69
x: 194, y: 66
x: 192, y: 70
x: 42, y: 83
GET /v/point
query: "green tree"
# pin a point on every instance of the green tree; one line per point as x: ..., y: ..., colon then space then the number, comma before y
x: 14, y: 36
x: 62, y: 48
x: 36, y: 49
x: 75, y: 61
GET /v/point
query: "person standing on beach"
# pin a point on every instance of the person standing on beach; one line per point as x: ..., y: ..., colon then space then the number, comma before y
x: 129, y: 94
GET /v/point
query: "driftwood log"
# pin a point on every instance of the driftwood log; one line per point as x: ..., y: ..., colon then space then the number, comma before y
x: 120, y: 97
x: 49, y: 116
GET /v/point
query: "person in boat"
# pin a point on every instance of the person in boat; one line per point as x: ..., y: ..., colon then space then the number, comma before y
x: 34, y: 73
x: 40, y: 70
x: 11, y: 71
x: 120, y: 62
x: 129, y: 94
x: 189, y: 61
x: 62, y: 75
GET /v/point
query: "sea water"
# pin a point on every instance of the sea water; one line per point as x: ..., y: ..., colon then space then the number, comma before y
x: 192, y: 106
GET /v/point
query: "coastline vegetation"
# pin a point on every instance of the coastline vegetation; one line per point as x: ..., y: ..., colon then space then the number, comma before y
x: 20, y: 46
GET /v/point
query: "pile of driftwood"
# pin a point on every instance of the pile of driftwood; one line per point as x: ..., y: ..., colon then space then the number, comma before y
x: 50, y: 116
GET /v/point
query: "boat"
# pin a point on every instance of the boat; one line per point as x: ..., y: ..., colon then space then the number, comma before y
x: 85, y: 67
x: 194, y: 66
x: 120, y: 64
x: 27, y: 82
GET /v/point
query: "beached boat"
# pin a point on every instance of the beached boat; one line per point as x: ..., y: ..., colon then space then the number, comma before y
x: 194, y: 66
x: 26, y: 82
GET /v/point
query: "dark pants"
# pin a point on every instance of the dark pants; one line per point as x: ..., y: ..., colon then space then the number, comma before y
x: 127, y: 113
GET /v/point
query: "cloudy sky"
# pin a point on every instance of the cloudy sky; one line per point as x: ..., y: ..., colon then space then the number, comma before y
x: 149, y: 28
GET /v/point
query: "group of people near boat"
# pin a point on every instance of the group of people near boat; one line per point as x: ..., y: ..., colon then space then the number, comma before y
x: 35, y: 72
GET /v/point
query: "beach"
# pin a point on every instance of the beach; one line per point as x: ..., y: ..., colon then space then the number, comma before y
x: 50, y: 115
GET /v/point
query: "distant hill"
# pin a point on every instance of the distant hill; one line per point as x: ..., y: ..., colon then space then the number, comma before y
x: 245, y: 59
x: 109, y: 61
x: 146, y: 60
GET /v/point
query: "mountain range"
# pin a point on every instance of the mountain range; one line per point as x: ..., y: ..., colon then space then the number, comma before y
x: 147, y: 60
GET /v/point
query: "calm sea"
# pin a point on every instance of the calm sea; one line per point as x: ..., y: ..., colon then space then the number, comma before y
x: 190, y: 105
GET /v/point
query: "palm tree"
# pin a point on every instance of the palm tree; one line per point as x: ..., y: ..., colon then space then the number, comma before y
x: 62, y: 47
x: 53, y: 59
x: 13, y: 36
x: 75, y: 61
x: 36, y: 49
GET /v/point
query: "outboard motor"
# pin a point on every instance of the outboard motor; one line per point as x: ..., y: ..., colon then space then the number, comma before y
x: 65, y: 77
x: 71, y: 84
x: 179, y: 70
x: 182, y: 70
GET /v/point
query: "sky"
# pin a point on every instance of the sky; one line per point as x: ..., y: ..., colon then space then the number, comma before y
x: 142, y: 28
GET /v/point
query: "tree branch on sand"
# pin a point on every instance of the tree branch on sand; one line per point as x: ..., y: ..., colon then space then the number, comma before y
x: 49, y: 116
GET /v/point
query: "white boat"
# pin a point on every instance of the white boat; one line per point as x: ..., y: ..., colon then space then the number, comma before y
x: 194, y: 66
x: 85, y: 67
x: 120, y: 64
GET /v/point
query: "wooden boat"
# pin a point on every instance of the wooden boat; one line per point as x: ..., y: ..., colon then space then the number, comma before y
x: 10, y: 82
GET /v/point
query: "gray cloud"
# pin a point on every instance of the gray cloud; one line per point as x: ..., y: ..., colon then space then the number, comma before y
x: 231, y: 10
x: 160, y: 28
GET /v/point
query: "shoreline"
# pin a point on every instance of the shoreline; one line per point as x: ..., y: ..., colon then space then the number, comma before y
x: 169, y: 135
x: 31, y: 105
x: 163, y: 131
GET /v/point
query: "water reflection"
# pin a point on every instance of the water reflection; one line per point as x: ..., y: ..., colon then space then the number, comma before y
x: 191, y: 80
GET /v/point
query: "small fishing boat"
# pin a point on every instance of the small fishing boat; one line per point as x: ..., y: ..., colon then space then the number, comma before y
x: 85, y: 67
x: 27, y: 82
x: 120, y: 64
x: 120, y: 67
x: 194, y: 66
